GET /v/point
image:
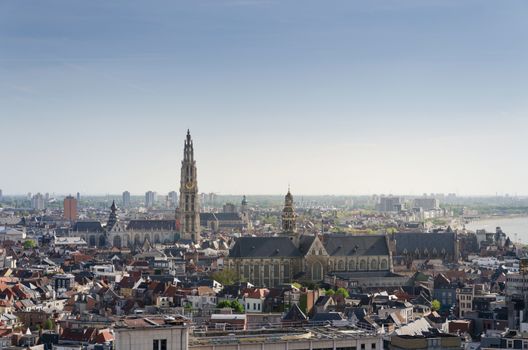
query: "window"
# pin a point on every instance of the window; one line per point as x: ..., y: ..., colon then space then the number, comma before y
x: 362, y: 346
x: 373, y: 346
x: 259, y: 307
x: 159, y: 344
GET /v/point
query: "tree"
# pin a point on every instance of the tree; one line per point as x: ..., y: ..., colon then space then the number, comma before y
x: 49, y: 324
x: 330, y: 292
x: 29, y: 244
x: 226, y: 277
x: 224, y: 304
x: 435, y: 305
x: 342, y: 292
x: 297, y: 285
x: 237, y: 307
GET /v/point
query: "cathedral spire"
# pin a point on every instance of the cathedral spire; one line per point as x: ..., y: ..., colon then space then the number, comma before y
x: 189, y: 209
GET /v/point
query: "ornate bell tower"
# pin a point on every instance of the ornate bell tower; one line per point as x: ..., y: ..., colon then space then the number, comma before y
x: 288, y: 215
x: 189, y: 202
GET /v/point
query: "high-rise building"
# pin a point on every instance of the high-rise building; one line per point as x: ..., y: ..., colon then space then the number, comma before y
x: 390, y: 204
x: 126, y: 199
x: 426, y: 203
x: 70, y: 209
x: 189, y: 199
x: 150, y: 199
x: 173, y: 199
x: 37, y: 202
x: 78, y: 197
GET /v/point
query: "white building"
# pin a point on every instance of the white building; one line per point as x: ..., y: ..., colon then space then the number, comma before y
x: 154, y: 332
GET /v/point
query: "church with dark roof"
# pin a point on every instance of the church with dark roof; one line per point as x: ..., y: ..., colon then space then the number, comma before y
x: 290, y: 256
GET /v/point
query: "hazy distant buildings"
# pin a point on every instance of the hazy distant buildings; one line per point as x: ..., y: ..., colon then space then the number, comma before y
x: 426, y: 203
x: 70, y: 209
x: 38, y: 202
x: 150, y: 199
x: 1, y: 195
x: 390, y: 204
x: 78, y: 197
x: 172, y: 199
x: 126, y: 199
x: 229, y: 208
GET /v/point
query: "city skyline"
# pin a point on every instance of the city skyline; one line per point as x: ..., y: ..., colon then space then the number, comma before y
x: 347, y: 98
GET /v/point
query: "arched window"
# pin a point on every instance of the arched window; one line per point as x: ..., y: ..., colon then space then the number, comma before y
x: 341, y: 265
x: 117, y: 241
x: 351, y: 265
x: 363, y: 265
x: 384, y: 264
x: 317, y: 271
x: 102, y: 241
x: 92, y: 242
x: 373, y: 265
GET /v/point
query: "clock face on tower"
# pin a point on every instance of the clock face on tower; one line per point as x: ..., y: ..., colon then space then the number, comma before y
x: 189, y: 185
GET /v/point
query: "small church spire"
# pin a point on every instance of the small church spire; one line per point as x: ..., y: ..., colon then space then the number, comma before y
x: 112, y: 218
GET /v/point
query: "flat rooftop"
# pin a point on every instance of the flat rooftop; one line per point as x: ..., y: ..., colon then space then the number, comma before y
x: 274, y: 335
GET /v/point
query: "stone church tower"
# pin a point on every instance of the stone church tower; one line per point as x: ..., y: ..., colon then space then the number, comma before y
x: 189, y: 210
x: 289, y: 219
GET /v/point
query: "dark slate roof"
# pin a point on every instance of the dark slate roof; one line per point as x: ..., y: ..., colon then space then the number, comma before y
x: 228, y: 216
x: 88, y: 226
x: 411, y: 241
x: 352, y: 245
x: 295, y: 314
x: 261, y: 247
x: 327, y: 316
x: 305, y: 243
x: 150, y: 225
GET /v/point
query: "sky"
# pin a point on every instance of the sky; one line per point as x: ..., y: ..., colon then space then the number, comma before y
x: 329, y: 97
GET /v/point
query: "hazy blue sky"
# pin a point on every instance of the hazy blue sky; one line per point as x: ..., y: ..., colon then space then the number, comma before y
x: 344, y: 97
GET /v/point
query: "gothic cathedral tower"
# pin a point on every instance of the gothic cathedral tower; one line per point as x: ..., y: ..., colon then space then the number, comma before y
x: 189, y: 202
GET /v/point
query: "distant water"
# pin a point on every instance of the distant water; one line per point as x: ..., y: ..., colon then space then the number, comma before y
x: 515, y: 228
